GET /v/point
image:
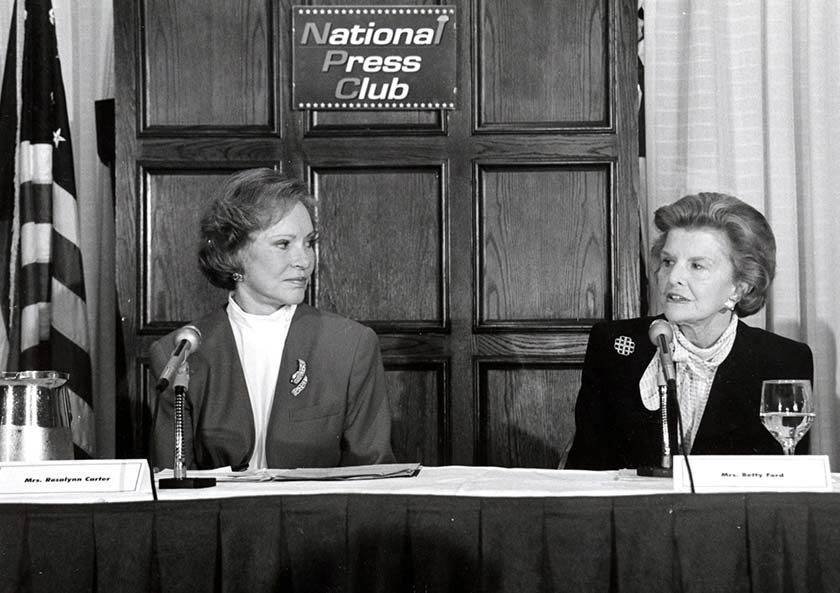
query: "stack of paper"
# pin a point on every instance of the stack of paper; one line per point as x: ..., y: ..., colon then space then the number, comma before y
x: 356, y: 472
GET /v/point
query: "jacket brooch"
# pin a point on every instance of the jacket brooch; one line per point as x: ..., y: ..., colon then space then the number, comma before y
x: 624, y: 345
x: 299, y: 378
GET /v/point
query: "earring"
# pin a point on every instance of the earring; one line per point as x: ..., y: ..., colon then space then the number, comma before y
x: 237, y: 277
x: 730, y: 304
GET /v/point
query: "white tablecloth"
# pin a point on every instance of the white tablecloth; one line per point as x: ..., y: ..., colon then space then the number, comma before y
x: 457, y: 481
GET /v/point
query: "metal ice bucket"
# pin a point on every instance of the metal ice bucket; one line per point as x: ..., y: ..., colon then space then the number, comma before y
x: 34, y: 416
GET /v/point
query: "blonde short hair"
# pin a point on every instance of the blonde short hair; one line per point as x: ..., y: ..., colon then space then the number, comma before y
x: 246, y: 203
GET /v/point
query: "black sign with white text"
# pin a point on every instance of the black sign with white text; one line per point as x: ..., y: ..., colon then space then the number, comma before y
x: 374, y: 57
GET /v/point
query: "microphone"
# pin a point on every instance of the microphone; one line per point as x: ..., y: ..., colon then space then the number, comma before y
x: 187, y: 341
x: 661, y: 334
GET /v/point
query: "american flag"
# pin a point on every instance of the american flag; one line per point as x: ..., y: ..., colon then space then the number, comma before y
x: 45, y: 319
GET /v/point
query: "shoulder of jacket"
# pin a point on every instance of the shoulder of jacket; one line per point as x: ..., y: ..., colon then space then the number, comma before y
x: 770, y: 340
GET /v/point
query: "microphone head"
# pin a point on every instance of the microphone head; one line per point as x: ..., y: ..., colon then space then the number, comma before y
x: 660, y: 327
x: 191, y: 334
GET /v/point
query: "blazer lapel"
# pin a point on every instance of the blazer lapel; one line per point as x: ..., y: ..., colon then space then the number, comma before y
x: 728, y: 406
x: 228, y: 390
x: 295, y: 371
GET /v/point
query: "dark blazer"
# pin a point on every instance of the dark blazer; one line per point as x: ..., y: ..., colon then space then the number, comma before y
x: 614, y: 429
x: 340, y: 418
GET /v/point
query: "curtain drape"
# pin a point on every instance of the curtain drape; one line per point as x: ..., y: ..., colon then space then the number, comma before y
x: 743, y: 97
x: 85, y: 33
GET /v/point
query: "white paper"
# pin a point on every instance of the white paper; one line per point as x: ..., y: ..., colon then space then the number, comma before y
x: 754, y: 473
x: 354, y: 472
x: 95, y: 480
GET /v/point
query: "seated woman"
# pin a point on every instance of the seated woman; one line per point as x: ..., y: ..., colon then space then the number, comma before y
x: 715, y: 258
x: 275, y: 383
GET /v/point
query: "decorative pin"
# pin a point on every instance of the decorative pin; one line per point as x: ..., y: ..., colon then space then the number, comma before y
x: 299, y: 378
x: 300, y: 373
x: 624, y: 345
x: 301, y: 386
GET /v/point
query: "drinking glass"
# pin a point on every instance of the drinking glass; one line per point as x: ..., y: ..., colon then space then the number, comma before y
x: 787, y: 410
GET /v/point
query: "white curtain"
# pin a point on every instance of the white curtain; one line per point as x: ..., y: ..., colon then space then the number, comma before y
x: 743, y: 97
x: 85, y: 33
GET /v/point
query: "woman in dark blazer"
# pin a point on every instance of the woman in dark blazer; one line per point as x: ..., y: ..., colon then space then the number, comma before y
x: 275, y: 382
x: 715, y: 260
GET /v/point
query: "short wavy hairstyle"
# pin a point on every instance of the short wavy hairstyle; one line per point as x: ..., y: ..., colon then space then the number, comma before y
x: 751, y: 240
x: 246, y: 203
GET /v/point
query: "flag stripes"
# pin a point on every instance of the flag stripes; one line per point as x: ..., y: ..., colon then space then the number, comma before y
x: 69, y: 316
x: 34, y: 332
x: 65, y: 312
x: 84, y: 428
x: 36, y: 243
x: 38, y: 204
x: 49, y: 289
x: 36, y: 162
x: 50, y: 203
x: 41, y: 245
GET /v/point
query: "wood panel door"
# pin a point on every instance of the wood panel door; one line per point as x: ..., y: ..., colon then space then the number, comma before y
x: 481, y: 244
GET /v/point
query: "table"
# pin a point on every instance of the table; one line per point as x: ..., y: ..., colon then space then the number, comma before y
x: 449, y: 529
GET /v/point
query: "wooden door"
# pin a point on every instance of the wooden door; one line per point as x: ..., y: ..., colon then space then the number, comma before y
x: 481, y: 244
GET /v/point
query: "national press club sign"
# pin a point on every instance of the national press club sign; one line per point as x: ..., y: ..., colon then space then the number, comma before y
x: 374, y: 57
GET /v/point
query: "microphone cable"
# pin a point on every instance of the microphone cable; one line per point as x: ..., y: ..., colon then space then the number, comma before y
x: 681, y: 434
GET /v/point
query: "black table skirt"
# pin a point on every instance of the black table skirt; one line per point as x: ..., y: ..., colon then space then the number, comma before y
x: 367, y: 543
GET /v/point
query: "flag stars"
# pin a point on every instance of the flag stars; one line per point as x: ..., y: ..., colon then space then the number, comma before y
x: 57, y: 138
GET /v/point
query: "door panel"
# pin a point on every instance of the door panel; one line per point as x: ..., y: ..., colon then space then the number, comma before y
x: 381, y: 253
x: 419, y: 407
x: 379, y: 123
x: 541, y: 64
x: 544, y: 245
x: 172, y: 284
x: 480, y: 244
x: 207, y: 64
x: 526, y: 413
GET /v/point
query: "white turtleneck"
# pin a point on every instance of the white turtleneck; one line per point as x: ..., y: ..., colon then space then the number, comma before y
x: 260, y: 340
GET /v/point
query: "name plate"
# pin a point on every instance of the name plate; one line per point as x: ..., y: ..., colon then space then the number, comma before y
x: 754, y: 473
x: 99, y: 480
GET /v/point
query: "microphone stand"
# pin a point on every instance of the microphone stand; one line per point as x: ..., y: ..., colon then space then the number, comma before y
x: 666, y: 441
x: 180, y: 479
x: 665, y: 469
